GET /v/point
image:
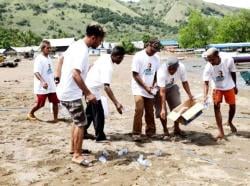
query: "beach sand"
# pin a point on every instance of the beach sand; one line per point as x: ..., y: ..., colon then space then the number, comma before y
x: 37, y: 152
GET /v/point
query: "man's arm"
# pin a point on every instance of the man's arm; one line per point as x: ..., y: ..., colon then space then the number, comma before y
x: 138, y: 79
x: 40, y: 78
x: 76, y: 74
x: 110, y: 94
x: 58, y: 69
x: 206, y: 88
x: 186, y: 87
x: 233, y: 74
x: 163, y: 113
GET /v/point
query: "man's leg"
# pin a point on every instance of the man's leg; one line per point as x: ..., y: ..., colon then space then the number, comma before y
x: 232, y: 109
x: 77, y: 142
x: 40, y: 102
x: 55, y: 101
x: 72, y: 138
x: 230, y: 99
x: 149, y: 116
x: 157, y: 105
x: 218, y: 118
x: 55, y: 111
x: 90, y: 118
x: 139, y: 107
x: 173, y: 98
x: 99, y: 121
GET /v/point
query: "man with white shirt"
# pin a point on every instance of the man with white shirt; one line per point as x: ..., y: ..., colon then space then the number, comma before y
x: 144, y: 67
x: 44, y: 85
x: 99, y: 77
x: 167, y: 77
x: 72, y: 85
x: 221, y: 71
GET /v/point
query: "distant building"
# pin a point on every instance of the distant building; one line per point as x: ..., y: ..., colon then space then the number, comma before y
x: 26, y: 52
x: 169, y: 45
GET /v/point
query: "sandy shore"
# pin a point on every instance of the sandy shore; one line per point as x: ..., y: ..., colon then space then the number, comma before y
x: 37, y: 153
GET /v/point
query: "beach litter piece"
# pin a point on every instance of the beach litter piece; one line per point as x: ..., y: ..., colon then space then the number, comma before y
x: 122, y: 152
x: 102, y: 159
x: 158, y: 152
x: 144, y: 162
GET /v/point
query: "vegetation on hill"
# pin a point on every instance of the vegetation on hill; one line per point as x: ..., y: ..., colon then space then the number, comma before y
x: 201, y: 30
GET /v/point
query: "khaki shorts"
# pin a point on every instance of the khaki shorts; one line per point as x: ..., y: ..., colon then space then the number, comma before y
x: 76, y: 111
x: 173, y: 98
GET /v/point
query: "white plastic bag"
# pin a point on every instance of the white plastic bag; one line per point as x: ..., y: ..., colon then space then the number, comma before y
x: 104, y: 101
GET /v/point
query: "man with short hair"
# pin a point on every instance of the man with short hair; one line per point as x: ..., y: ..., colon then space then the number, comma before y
x: 44, y: 85
x: 144, y: 67
x: 99, y: 77
x: 167, y: 76
x: 221, y: 71
x: 72, y: 86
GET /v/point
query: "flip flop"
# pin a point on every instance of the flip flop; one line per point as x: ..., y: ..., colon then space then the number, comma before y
x: 31, y: 118
x: 84, y: 163
x: 84, y: 151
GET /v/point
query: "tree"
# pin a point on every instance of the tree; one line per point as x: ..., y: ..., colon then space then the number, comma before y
x: 233, y: 28
x: 196, y: 33
x: 128, y: 46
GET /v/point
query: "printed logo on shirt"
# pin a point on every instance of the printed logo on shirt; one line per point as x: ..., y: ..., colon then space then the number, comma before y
x: 49, y: 71
x: 148, y: 70
x: 170, y: 84
x: 220, y: 76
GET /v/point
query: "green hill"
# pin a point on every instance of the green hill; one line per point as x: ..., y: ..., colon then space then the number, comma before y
x: 51, y: 18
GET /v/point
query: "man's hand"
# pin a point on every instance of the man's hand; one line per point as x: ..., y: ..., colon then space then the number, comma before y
x: 44, y: 85
x: 148, y: 89
x: 91, y: 98
x: 163, y: 114
x: 236, y: 90
x: 191, y: 97
x: 119, y: 107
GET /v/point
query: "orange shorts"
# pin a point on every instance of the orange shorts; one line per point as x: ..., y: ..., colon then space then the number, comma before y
x: 229, y: 96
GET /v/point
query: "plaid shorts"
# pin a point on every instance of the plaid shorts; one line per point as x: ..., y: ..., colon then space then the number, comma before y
x: 76, y: 111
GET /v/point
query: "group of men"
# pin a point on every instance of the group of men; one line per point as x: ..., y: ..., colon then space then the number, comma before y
x: 152, y: 86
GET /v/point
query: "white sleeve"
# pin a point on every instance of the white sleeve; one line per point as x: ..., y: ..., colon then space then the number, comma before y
x: 206, y: 74
x: 231, y: 65
x: 161, y: 78
x: 79, y: 62
x: 106, y: 76
x: 183, y: 73
x: 38, y: 65
x: 135, y: 64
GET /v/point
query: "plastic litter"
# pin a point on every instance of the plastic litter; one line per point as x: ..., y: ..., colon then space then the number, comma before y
x: 102, y: 159
x: 144, y: 162
x: 122, y: 152
x: 158, y: 152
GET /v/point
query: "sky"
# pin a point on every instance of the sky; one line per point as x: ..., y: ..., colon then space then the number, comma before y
x: 234, y: 3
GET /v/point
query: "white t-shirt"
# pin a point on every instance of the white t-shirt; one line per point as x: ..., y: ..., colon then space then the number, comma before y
x: 44, y: 66
x: 99, y: 74
x: 220, y: 74
x: 165, y: 79
x: 75, y: 57
x: 146, y: 66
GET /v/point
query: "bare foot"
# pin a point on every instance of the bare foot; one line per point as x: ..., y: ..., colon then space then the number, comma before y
x: 232, y: 127
x: 80, y: 160
x: 219, y: 137
x: 179, y: 132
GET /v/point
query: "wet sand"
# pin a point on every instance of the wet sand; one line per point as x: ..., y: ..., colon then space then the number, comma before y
x: 37, y: 153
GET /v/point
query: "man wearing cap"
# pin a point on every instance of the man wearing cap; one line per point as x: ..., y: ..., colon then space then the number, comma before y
x: 144, y: 67
x: 221, y: 71
x: 167, y: 75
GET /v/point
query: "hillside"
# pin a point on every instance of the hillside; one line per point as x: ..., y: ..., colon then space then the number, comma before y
x: 175, y: 12
x: 51, y: 18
